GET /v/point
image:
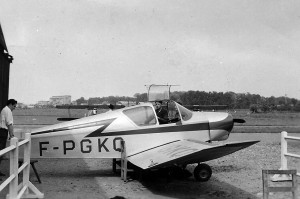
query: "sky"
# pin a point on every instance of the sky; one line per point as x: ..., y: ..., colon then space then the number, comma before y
x: 98, y: 48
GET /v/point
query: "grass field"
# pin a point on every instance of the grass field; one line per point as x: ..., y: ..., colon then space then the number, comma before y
x: 272, y: 122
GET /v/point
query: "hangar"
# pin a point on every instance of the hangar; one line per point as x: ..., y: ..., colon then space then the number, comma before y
x: 5, y: 61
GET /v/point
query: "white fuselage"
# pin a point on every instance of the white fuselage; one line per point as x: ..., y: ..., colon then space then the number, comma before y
x: 99, y: 136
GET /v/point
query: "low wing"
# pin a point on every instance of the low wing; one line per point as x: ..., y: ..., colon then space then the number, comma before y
x: 183, y: 152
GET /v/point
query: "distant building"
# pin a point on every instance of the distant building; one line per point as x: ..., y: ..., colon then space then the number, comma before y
x: 43, y: 103
x: 60, y: 100
x: 30, y: 106
x: 21, y: 105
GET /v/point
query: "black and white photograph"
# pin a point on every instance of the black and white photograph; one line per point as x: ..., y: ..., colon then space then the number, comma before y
x: 148, y: 99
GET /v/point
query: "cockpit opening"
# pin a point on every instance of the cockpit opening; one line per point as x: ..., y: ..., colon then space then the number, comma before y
x: 164, y: 112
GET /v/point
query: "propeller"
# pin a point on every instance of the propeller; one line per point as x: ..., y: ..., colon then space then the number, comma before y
x: 66, y: 118
x: 239, y: 120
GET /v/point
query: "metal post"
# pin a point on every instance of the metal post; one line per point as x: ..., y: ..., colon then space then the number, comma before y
x: 123, y: 161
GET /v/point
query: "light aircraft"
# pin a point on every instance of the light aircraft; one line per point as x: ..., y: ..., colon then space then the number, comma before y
x: 188, y: 138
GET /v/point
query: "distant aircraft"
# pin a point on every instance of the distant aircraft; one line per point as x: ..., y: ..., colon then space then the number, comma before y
x: 188, y: 137
x: 206, y: 107
x: 88, y: 107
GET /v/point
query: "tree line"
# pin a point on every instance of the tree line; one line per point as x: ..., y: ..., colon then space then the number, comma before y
x: 254, y: 102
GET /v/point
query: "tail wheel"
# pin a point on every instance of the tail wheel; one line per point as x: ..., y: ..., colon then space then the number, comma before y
x: 202, y: 172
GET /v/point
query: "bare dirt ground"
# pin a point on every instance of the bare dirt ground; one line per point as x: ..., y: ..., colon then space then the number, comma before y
x: 236, y: 176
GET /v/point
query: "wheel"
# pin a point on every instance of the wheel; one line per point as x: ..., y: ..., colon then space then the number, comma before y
x: 202, y: 172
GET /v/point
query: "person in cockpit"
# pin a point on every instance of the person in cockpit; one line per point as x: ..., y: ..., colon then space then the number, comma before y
x: 162, y: 114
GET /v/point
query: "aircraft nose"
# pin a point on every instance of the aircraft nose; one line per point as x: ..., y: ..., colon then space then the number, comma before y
x: 221, y: 126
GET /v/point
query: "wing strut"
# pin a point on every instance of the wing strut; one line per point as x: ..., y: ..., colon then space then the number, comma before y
x: 123, y: 161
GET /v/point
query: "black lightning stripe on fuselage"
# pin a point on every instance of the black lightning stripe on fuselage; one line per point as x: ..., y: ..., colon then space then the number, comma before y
x: 167, y: 129
x: 98, y: 132
x: 104, y: 124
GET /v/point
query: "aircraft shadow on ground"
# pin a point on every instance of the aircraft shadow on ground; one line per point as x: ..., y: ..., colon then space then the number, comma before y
x: 189, y: 188
x: 156, y: 182
x: 204, y: 190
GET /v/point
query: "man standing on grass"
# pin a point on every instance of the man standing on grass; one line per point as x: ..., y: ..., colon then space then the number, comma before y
x: 6, y: 124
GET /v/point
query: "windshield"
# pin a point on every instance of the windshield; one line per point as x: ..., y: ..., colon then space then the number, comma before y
x: 141, y: 116
x: 158, y: 92
x: 185, y: 113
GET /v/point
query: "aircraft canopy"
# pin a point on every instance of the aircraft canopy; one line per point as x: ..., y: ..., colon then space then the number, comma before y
x: 159, y: 92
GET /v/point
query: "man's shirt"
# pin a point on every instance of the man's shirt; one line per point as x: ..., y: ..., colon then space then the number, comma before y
x: 6, y: 118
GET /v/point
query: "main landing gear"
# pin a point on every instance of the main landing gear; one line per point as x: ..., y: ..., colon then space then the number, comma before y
x: 202, y: 172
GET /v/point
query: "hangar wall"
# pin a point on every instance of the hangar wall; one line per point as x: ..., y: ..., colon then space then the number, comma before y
x: 5, y: 60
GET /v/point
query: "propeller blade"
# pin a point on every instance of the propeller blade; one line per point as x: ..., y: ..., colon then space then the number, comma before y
x: 66, y: 118
x: 239, y: 120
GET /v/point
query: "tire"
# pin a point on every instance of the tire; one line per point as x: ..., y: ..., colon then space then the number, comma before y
x: 202, y: 172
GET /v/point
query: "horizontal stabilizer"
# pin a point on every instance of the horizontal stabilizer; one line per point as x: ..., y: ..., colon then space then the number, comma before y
x: 182, y: 152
